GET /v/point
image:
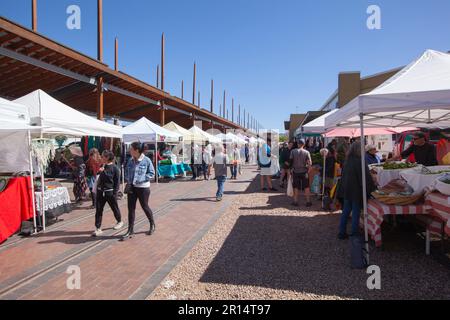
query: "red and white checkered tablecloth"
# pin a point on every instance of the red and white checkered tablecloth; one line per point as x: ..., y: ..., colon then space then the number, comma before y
x: 440, y: 208
x: 377, y: 211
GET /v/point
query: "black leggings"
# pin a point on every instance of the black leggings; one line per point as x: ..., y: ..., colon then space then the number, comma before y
x: 141, y: 194
x: 102, y: 199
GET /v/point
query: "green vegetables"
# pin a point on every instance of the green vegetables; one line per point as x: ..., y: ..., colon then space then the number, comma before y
x: 438, y: 172
x: 398, y: 165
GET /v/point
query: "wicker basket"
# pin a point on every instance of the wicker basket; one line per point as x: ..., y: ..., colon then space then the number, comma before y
x: 397, y: 200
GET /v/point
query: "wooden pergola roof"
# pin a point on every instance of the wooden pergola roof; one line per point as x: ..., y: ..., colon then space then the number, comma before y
x: 30, y: 61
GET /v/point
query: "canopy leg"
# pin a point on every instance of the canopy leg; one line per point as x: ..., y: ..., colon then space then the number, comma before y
x: 32, y: 184
x: 364, y: 187
x: 43, y: 197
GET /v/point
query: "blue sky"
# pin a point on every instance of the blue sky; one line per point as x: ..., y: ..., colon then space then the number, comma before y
x: 273, y: 57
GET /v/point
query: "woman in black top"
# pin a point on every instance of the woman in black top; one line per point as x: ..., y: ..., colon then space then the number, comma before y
x: 352, y: 190
x: 108, y: 184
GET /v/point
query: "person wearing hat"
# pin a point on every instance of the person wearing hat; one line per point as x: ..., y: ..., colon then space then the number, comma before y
x: 300, y: 164
x: 371, y: 155
x: 424, y: 152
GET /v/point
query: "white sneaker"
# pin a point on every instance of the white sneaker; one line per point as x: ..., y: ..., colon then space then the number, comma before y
x: 97, y: 233
x: 118, y: 226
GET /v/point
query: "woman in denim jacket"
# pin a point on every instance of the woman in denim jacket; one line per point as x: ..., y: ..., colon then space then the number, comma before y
x: 138, y: 173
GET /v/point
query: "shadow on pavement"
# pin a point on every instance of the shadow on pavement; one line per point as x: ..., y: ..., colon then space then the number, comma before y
x: 302, y: 254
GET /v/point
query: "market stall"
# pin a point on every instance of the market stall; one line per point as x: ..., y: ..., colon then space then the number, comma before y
x: 418, y: 95
x: 187, y: 138
x: 389, y: 171
x: 378, y: 212
x: 16, y: 173
x: 202, y: 137
x: 16, y: 205
x: 56, y: 200
x: 55, y: 119
x: 230, y: 138
x: 356, y: 132
x: 173, y: 170
x: 172, y: 126
x: 145, y: 131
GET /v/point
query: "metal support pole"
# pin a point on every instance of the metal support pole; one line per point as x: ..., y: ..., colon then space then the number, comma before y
x: 156, y: 161
x: 323, y: 178
x: 43, y: 197
x: 123, y: 167
x: 32, y: 183
x: 364, y: 187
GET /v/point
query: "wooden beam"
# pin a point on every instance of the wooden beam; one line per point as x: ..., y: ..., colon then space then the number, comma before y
x: 100, y: 30
x: 239, y: 116
x: 8, y: 38
x: 19, y: 31
x: 182, y: 89
x: 162, y: 111
x: 194, y: 83
x: 232, y: 110
x: 163, y: 58
x: 224, y: 103
x: 116, y: 54
x: 100, y: 97
x: 212, y: 96
x: 18, y: 45
x: 157, y: 76
x: 34, y: 18
x: 162, y: 115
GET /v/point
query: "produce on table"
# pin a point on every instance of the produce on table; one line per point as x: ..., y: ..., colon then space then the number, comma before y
x: 398, y: 165
x: 395, y: 188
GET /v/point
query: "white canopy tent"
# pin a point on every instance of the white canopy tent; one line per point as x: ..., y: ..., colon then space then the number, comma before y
x: 198, y: 135
x: 58, y: 118
x: 317, y: 125
x: 14, y: 127
x: 172, y: 126
x: 418, y: 95
x: 144, y: 130
x: 243, y: 137
x: 15, y: 130
x: 230, y: 138
x: 252, y: 140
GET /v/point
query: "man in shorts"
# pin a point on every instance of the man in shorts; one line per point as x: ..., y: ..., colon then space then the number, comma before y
x: 300, y: 164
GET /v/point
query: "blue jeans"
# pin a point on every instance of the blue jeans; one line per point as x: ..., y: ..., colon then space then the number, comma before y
x: 355, y: 209
x: 234, y: 169
x: 220, y: 184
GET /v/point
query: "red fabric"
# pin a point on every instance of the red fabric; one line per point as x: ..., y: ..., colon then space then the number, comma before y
x: 15, y: 206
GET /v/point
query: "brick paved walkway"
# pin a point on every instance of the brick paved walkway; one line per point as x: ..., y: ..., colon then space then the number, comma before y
x: 35, y: 268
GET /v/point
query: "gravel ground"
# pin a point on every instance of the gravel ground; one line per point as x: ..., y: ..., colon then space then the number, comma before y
x: 261, y: 248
